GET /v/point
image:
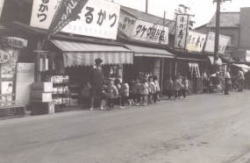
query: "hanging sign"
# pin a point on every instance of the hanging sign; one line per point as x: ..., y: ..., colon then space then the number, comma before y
x: 126, y: 23
x: 195, y: 41
x: 15, y: 42
x: 43, y: 12
x: 181, y: 30
x: 1, y: 7
x: 223, y: 43
x: 67, y: 11
x: 98, y: 18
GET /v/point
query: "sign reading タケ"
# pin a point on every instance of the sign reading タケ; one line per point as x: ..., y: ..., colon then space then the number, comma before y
x: 223, y: 43
x: 181, y: 30
x: 141, y: 30
x: 195, y: 41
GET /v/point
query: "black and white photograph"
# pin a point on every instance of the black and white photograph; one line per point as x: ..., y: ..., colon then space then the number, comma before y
x: 124, y: 81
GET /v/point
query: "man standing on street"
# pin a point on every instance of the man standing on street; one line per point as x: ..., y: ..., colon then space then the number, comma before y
x: 96, y: 80
x: 227, y: 77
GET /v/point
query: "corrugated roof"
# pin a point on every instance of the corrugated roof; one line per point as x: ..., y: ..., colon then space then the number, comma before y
x: 227, y: 19
x: 150, y: 18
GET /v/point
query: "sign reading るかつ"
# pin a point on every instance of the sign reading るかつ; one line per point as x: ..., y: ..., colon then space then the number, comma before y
x: 181, y: 30
x: 98, y: 18
x: 195, y: 41
x: 223, y: 42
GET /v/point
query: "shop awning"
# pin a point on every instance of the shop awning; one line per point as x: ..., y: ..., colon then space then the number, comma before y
x: 142, y: 51
x: 84, y: 54
x: 244, y: 67
x: 211, y: 59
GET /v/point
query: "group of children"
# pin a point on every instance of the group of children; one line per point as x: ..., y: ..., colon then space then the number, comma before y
x: 177, y: 87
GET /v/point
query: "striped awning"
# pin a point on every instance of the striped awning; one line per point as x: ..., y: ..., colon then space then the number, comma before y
x: 84, y: 54
x: 142, y: 51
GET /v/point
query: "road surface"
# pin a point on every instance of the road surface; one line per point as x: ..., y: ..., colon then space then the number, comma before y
x: 210, y: 128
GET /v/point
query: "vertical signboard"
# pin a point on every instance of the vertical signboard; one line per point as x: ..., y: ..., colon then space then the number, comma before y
x: 43, y: 12
x: 1, y: 7
x: 181, y: 30
x: 195, y: 41
x: 223, y: 43
x: 126, y: 23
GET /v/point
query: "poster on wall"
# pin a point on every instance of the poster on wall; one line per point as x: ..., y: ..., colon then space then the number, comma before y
x: 223, y: 43
x: 181, y: 30
x: 195, y: 41
x: 98, y: 18
x: 8, y: 69
x: 24, y: 78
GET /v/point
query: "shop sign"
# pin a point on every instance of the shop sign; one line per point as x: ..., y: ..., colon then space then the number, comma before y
x: 98, y: 18
x: 126, y: 23
x: 150, y: 32
x: 1, y: 7
x: 181, y: 32
x: 67, y: 11
x: 43, y: 12
x: 195, y: 41
x: 15, y: 42
x: 223, y: 42
x: 4, y: 57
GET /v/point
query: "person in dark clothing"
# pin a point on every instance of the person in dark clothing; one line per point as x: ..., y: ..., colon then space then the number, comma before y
x: 96, y: 81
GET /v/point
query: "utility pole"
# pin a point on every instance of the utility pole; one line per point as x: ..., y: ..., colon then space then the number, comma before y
x: 217, y: 29
x: 146, y: 6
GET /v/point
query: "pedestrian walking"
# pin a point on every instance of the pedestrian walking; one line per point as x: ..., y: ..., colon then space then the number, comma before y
x: 158, y: 89
x: 169, y: 85
x: 185, y: 86
x: 241, y: 79
x: 177, y: 87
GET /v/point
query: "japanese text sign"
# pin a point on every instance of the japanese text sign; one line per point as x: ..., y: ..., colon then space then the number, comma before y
x: 142, y: 30
x: 67, y: 11
x: 150, y: 32
x: 195, y: 41
x: 98, y: 18
x: 43, y: 12
x: 181, y: 30
x: 223, y: 42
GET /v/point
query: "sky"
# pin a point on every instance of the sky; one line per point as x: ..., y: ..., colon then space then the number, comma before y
x: 202, y: 9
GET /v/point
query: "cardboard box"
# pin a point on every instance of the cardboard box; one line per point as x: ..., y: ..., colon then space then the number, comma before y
x: 42, y: 86
x: 38, y: 96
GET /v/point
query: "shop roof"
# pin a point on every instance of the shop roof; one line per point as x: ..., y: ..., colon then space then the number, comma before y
x: 149, y: 18
x: 227, y: 19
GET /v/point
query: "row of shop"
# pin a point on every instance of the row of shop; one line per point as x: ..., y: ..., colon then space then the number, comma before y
x: 67, y: 63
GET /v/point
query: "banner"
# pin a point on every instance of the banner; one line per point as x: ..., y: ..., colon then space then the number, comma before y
x: 67, y: 11
x: 195, y: 41
x: 181, y: 30
x: 98, y: 18
x: 223, y: 42
x: 43, y: 12
x: 1, y: 7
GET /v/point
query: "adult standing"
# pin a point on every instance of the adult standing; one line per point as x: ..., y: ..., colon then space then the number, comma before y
x: 96, y: 81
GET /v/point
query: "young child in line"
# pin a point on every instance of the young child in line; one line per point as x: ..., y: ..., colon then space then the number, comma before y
x: 144, y: 91
x: 111, y: 94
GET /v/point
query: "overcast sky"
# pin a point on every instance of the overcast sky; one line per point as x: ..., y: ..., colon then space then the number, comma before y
x: 203, y: 9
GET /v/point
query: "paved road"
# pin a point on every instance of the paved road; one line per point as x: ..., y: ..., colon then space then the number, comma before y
x: 200, y: 129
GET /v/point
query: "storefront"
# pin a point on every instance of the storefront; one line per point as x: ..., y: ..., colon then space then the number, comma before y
x: 74, y: 61
x: 10, y: 49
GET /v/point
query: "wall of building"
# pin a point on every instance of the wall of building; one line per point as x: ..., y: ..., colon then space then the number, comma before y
x: 245, y: 28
